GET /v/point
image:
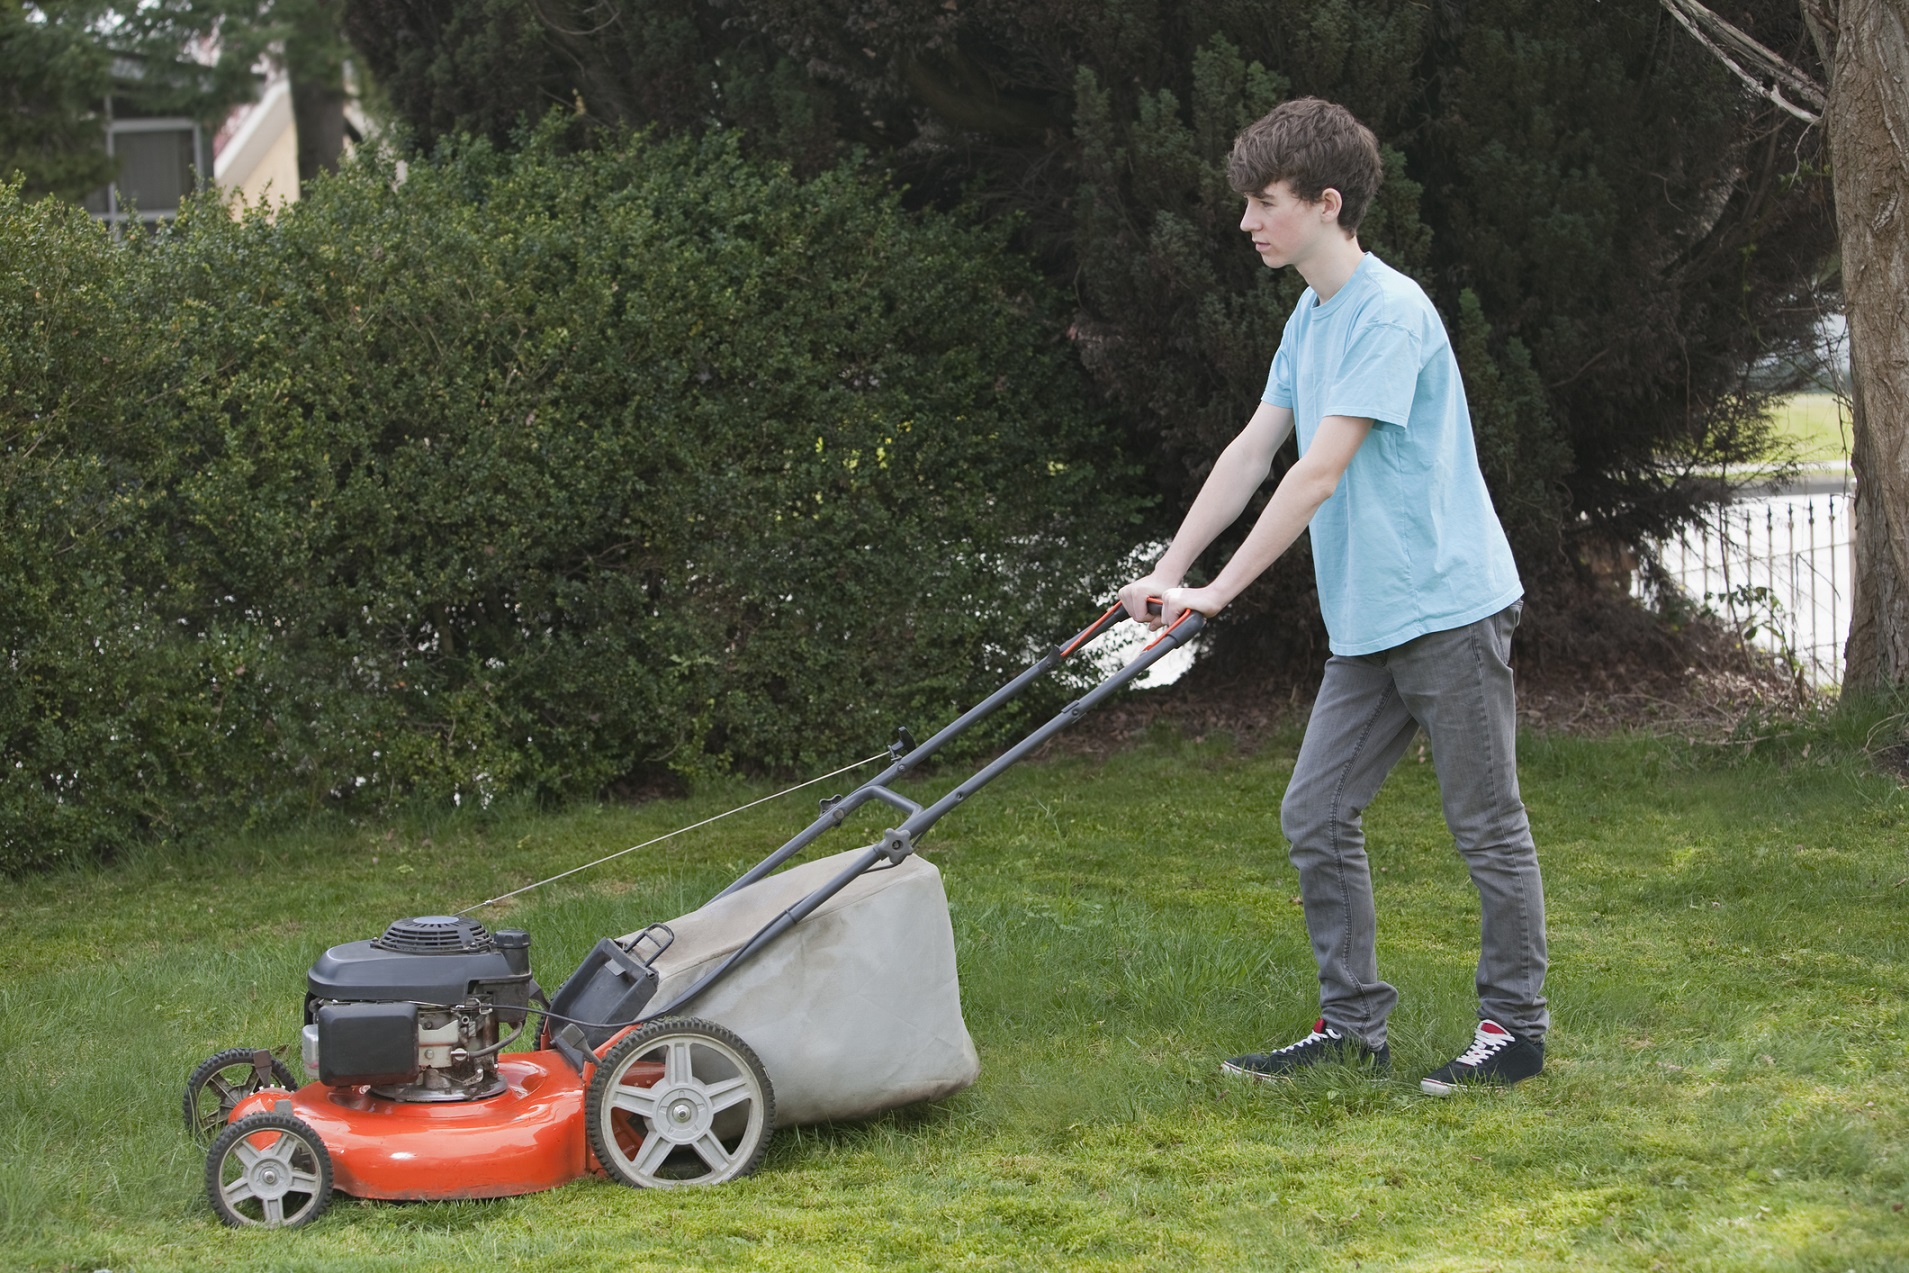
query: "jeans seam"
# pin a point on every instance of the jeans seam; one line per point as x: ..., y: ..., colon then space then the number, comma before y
x: 1338, y: 858
x: 1494, y: 775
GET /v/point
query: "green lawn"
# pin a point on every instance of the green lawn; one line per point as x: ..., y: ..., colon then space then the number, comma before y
x: 1726, y: 1087
x: 1817, y: 426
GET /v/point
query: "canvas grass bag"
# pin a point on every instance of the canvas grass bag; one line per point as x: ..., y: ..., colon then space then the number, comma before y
x: 855, y: 1010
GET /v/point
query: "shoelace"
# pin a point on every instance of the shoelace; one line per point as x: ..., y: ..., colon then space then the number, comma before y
x: 1484, y: 1046
x: 1315, y: 1037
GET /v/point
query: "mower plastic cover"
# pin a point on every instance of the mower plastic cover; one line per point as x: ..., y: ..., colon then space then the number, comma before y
x: 855, y: 1010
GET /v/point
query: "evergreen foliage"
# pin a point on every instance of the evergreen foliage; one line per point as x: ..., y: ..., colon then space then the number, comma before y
x: 1615, y: 233
x: 529, y: 474
x: 53, y: 82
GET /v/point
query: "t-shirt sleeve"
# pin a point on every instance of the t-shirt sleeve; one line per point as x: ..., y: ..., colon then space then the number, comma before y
x: 1378, y: 375
x: 1279, y: 381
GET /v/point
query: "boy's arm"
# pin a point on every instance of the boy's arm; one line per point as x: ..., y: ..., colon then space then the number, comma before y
x: 1242, y: 466
x: 1307, y: 484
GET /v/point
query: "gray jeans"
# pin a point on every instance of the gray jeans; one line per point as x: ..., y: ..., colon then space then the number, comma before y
x: 1458, y: 686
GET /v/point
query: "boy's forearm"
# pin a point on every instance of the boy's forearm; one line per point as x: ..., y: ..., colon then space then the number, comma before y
x: 1242, y: 466
x: 1218, y: 505
x: 1306, y: 486
x: 1290, y: 510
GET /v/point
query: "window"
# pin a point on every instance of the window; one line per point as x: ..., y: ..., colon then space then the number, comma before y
x: 161, y: 161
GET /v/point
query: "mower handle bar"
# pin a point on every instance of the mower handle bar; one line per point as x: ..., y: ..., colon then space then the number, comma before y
x: 900, y: 841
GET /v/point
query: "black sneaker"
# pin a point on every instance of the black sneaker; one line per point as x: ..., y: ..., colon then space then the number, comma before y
x: 1496, y: 1058
x: 1324, y: 1046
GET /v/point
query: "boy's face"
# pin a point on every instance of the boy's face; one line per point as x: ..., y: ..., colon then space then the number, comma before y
x: 1286, y: 229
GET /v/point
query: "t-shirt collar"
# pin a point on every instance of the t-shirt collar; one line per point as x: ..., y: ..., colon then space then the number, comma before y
x: 1321, y: 308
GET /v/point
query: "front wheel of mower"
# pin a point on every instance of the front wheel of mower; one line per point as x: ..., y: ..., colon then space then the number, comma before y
x: 223, y: 1080
x: 269, y: 1170
x: 679, y: 1103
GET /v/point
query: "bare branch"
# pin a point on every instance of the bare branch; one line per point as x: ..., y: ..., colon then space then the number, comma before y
x: 1771, y: 75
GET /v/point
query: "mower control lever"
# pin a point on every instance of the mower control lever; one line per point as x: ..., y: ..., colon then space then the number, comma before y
x: 649, y: 934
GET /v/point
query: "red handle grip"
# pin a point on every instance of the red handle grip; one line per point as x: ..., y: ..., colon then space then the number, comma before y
x: 1116, y: 614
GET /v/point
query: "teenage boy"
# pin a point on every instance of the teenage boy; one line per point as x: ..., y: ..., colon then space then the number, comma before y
x: 1416, y: 583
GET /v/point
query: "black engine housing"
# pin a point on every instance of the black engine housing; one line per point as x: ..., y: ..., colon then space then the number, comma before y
x: 381, y: 1008
x: 360, y: 970
x: 436, y: 959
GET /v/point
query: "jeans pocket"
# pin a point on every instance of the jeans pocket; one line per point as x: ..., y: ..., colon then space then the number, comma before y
x: 1503, y: 624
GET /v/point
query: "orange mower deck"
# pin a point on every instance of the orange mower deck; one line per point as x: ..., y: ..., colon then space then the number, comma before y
x: 526, y: 1139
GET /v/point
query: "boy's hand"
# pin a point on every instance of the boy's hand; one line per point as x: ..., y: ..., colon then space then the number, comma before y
x: 1175, y: 602
x: 1134, y: 597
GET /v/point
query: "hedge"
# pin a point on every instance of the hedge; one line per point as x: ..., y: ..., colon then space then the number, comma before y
x: 537, y: 473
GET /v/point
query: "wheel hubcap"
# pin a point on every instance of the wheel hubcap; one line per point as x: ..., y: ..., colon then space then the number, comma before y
x: 685, y: 1113
x: 270, y: 1180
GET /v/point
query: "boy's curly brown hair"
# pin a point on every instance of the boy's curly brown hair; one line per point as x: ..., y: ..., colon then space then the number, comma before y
x: 1313, y: 145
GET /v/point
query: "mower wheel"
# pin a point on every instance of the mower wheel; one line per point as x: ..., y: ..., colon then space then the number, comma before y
x: 222, y: 1081
x: 679, y: 1102
x: 269, y: 1170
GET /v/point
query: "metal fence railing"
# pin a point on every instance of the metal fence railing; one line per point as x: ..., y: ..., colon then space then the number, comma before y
x: 1776, y: 568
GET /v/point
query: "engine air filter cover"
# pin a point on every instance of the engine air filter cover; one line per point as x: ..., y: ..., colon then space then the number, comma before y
x: 436, y: 935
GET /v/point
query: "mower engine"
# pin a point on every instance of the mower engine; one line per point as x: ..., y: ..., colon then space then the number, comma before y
x: 420, y: 1013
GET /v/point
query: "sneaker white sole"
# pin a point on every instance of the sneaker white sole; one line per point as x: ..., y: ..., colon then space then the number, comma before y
x: 1432, y: 1087
x: 1236, y: 1071
x: 1240, y: 1071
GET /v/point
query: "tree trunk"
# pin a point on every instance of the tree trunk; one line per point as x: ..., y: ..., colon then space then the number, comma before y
x: 1867, y: 123
x: 318, y: 116
x: 315, y: 61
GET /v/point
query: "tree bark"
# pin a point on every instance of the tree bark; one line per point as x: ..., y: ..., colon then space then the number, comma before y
x: 1867, y: 123
x: 318, y: 117
x: 315, y: 61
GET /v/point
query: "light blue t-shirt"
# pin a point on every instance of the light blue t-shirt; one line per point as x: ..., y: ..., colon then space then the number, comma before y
x: 1409, y: 542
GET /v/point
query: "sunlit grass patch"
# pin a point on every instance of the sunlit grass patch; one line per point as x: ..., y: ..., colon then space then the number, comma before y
x: 1817, y: 427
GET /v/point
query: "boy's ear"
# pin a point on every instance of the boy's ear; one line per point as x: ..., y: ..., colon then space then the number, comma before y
x: 1331, y: 201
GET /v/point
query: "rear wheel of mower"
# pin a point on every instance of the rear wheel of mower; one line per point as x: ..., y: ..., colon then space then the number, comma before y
x: 269, y: 1170
x: 679, y: 1103
x: 225, y: 1079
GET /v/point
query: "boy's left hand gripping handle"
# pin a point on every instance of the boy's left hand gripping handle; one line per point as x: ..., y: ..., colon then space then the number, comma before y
x: 1189, y: 623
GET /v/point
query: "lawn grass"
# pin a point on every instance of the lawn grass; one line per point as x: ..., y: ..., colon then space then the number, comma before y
x: 1725, y: 1086
x: 1817, y: 427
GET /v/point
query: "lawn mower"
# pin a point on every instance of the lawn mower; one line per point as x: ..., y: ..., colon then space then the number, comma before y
x: 412, y: 1094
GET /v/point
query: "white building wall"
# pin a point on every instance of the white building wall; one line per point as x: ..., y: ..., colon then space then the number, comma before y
x: 258, y: 162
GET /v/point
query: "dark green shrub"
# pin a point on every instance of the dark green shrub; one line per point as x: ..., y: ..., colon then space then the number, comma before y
x: 1621, y: 239
x: 537, y: 473
x: 72, y: 692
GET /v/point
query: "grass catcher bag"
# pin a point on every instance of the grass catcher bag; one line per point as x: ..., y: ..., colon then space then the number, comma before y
x: 855, y: 1010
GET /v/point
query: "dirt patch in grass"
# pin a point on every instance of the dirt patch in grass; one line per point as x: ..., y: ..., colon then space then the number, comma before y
x: 1893, y: 761
x: 1708, y: 698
